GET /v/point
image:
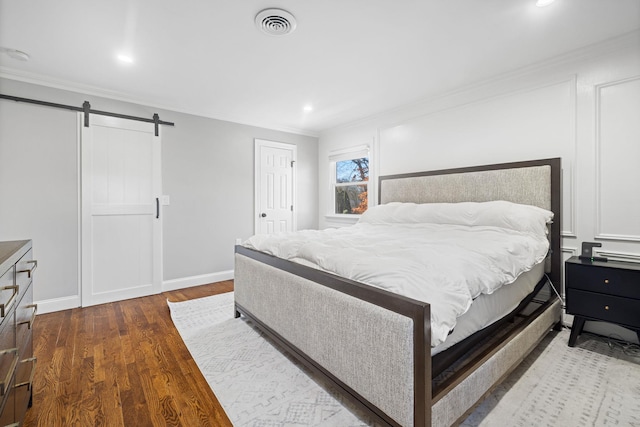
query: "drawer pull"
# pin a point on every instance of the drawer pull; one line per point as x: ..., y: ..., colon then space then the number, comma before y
x: 29, y: 383
x: 606, y: 281
x: 30, y: 270
x: 4, y: 307
x: 33, y: 315
x: 3, y: 385
x: 606, y: 307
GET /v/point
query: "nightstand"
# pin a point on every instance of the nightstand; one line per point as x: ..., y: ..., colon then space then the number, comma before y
x: 606, y: 291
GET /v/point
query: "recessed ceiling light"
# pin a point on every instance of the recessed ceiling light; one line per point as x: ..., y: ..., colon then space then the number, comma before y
x: 125, y: 58
x: 307, y: 108
x: 543, y: 3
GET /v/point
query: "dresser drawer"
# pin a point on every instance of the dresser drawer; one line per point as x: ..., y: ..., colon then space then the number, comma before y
x: 8, y: 355
x: 25, y: 316
x: 25, y: 269
x: 623, y: 311
x: 611, y: 281
x: 8, y: 294
x: 23, y: 382
x: 7, y: 408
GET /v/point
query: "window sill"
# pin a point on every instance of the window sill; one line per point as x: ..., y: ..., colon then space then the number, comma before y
x: 342, y: 219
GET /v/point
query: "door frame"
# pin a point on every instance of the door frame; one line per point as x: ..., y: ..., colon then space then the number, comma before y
x: 258, y: 144
x: 83, y: 215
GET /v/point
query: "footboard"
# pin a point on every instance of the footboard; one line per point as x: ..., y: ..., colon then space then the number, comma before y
x: 338, y: 327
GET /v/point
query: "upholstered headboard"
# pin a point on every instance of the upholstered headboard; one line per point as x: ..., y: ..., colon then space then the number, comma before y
x: 530, y: 186
x: 535, y: 182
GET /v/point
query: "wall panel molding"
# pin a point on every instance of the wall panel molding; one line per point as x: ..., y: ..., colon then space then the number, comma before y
x: 617, y: 130
x: 569, y: 211
x: 617, y: 255
x: 533, y: 121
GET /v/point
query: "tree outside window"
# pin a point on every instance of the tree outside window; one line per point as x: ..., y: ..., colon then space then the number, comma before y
x: 351, y: 186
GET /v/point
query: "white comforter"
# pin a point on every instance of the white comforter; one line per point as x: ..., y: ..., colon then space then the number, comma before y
x: 446, y: 265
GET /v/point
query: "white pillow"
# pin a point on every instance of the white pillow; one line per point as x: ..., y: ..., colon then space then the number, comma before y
x: 503, y: 214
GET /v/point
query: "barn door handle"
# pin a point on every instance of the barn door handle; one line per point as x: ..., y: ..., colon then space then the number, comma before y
x: 157, y: 207
x: 263, y: 214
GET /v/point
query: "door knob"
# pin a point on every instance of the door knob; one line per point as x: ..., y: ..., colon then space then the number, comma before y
x: 263, y: 214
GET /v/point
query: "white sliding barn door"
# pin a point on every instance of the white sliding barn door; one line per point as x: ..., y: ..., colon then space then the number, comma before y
x: 121, y: 228
x: 274, y: 187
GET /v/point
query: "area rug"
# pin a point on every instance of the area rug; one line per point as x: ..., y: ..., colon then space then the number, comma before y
x: 592, y: 384
x: 256, y: 384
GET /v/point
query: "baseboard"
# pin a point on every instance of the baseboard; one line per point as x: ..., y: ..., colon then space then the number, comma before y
x: 203, y: 279
x: 66, y: 303
x: 58, y: 304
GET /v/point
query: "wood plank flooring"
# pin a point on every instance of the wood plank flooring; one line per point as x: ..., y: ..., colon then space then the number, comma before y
x: 120, y: 364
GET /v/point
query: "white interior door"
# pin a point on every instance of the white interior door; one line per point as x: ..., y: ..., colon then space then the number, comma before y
x: 121, y: 224
x: 275, y: 165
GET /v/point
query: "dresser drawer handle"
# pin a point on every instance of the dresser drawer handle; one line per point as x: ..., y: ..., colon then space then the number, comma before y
x: 606, y: 307
x: 606, y: 281
x: 3, y: 385
x: 29, y: 383
x: 4, y: 307
x: 30, y: 270
x: 33, y: 315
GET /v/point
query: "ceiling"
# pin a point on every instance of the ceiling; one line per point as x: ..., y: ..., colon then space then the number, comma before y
x: 349, y: 59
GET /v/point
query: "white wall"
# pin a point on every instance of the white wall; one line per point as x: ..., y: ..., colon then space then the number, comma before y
x: 207, y: 170
x: 583, y: 107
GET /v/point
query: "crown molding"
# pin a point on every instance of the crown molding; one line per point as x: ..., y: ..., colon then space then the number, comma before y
x: 607, y: 47
x: 52, y: 82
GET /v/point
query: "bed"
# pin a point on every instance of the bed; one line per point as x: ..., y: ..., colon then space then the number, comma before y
x: 375, y: 345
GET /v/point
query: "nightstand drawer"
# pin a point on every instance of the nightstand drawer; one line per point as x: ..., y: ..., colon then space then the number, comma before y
x: 623, y: 311
x: 611, y: 281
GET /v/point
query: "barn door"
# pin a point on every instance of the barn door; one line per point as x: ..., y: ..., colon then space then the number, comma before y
x: 121, y: 222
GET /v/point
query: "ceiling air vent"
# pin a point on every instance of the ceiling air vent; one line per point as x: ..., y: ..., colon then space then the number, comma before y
x: 275, y: 22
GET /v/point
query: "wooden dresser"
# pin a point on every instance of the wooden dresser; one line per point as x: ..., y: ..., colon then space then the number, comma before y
x: 17, y: 314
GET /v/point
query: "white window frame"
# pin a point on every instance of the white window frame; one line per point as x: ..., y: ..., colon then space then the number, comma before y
x: 340, y: 155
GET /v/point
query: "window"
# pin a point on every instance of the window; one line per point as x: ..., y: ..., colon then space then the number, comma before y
x: 350, y: 182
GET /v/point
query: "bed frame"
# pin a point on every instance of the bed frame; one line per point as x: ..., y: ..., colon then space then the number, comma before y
x: 375, y: 345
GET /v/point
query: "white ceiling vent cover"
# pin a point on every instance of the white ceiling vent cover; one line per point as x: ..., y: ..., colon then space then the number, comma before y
x: 275, y: 22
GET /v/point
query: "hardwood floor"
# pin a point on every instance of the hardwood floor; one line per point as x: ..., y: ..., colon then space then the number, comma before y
x: 120, y: 364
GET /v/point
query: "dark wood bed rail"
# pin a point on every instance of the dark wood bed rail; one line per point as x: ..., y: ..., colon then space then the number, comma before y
x: 418, y: 311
